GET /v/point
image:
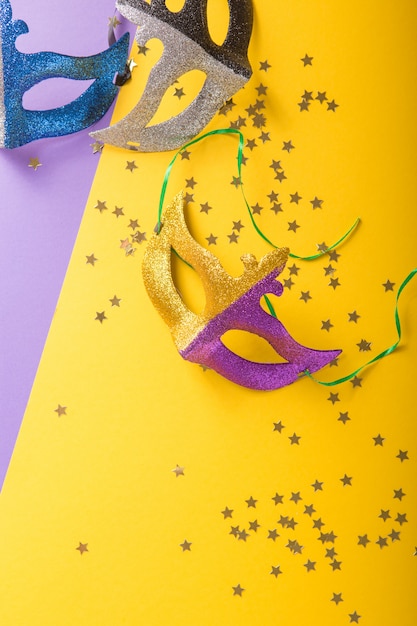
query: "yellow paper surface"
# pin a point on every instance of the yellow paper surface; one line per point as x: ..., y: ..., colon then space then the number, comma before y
x: 97, y: 472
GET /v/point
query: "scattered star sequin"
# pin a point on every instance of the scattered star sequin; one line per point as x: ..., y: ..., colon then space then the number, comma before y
x: 97, y: 147
x: 332, y: 106
x: 264, y: 66
x: 354, y: 617
x: 353, y: 317
x: 238, y: 590
x: 82, y: 547
x: 60, y: 410
x: 276, y: 571
x: 211, y: 240
x: 34, y: 163
x: 118, y: 211
x: 100, y: 316
x: 389, y: 286
x: 364, y: 346
x: 336, y: 598
x: 91, y: 259
x: 178, y: 471
x: 288, y: 146
x: 307, y: 60
x: 334, y: 397
x: 402, y: 455
x: 101, y: 206
x: 294, y: 439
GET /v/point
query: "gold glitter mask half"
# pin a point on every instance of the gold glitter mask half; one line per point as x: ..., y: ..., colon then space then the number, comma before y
x: 231, y: 303
x: 187, y: 46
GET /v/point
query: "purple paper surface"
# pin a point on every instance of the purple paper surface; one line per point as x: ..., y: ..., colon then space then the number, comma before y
x: 40, y: 211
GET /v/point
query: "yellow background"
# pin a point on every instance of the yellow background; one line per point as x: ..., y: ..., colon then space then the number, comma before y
x: 101, y: 474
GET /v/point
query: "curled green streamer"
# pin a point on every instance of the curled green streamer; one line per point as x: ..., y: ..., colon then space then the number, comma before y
x: 235, y: 131
x: 382, y: 354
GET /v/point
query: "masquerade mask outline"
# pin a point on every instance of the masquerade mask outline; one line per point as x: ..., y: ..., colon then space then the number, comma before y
x: 231, y: 303
x: 20, y: 71
x: 187, y: 46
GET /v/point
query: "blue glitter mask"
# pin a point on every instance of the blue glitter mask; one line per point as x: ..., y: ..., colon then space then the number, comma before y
x: 19, y: 72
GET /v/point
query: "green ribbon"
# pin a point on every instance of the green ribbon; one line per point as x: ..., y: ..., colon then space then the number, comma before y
x: 382, y: 354
x: 235, y: 131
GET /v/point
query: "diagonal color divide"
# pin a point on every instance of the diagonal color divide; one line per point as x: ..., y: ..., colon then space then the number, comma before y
x: 41, y: 207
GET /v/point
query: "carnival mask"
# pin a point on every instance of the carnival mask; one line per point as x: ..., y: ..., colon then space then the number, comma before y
x: 231, y: 303
x: 187, y: 46
x: 19, y: 72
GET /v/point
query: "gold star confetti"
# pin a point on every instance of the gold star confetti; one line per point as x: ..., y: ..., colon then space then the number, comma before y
x: 389, y: 286
x: 238, y: 590
x: 118, y: 211
x: 307, y: 60
x: 131, y: 64
x: 139, y: 237
x: 91, y: 259
x: 364, y: 346
x: 227, y: 513
x: 100, y: 316
x: 131, y: 166
x: 211, y: 240
x: 178, y: 471
x: 82, y: 547
x: 179, y: 93
x: 34, y: 163
x: 97, y: 147
x: 402, y: 455
x: 186, y: 546
x: 101, y: 206
x: 114, y: 21
x: 317, y: 485
x: 294, y: 440
x: 354, y: 617
x: 336, y: 598
x: 61, y: 410
x: 276, y: 571
x: 332, y: 106
x: 143, y: 50
x: 264, y: 66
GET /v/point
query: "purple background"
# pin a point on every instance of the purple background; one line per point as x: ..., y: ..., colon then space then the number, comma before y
x: 41, y: 210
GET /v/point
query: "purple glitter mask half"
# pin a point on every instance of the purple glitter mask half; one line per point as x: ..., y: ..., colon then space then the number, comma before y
x: 247, y: 314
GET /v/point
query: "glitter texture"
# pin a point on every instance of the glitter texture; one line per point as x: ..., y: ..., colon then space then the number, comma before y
x: 187, y: 46
x: 19, y: 72
x: 231, y: 303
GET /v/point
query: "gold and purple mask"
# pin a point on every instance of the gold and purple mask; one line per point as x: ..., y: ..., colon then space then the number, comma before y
x: 187, y: 46
x: 231, y: 303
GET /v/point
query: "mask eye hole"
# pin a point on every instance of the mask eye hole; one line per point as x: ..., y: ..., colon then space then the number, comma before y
x: 174, y: 5
x: 188, y: 285
x: 53, y: 92
x: 251, y: 347
x: 218, y: 18
x: 179, y: 96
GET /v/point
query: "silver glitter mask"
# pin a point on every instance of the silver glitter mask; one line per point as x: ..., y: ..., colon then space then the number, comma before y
x: 187, y: 46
